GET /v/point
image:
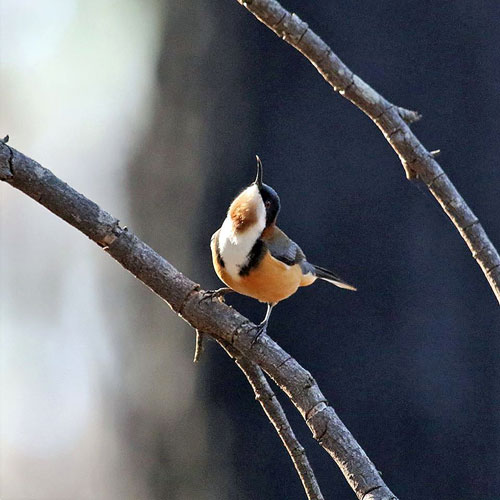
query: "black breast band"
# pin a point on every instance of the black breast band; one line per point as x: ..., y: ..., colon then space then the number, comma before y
x: 254, y: 257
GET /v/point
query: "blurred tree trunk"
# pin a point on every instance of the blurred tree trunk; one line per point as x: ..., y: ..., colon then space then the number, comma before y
x: 166, y: 416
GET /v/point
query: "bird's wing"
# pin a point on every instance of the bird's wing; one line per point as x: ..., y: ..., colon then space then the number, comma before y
x: 283, y: 248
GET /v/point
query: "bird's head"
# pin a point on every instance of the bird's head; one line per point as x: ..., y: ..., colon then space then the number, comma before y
x: 258, y: 204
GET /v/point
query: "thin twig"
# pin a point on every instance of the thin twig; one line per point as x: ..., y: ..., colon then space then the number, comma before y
x: 392, y: 121
x: 211, y: 317
x: 274, y: 411
x: 199, y: 348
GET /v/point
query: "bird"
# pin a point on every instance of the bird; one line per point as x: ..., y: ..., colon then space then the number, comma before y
x: 254, y: 257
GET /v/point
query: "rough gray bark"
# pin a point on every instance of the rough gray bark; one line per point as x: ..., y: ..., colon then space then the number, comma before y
x: 274, y: 411
x: 393, y: 121
x: 215, y: 318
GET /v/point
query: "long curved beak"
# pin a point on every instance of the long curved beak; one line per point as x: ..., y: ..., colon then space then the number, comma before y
x: 258, y: 179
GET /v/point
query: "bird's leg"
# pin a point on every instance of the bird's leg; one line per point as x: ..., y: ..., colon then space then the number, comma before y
x: 216, y: 294
x: 262, y: 326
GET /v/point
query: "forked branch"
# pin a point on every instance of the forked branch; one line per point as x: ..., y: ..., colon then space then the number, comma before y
x: 274, y: 411
x: 211, y: 317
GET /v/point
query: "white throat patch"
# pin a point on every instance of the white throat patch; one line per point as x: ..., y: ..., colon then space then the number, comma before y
x: 234, y: 246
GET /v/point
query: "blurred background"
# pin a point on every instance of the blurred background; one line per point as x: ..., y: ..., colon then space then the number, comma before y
x: 155, y: 110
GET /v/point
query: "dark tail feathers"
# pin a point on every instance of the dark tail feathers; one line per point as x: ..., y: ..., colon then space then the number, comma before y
x: 327, y: 275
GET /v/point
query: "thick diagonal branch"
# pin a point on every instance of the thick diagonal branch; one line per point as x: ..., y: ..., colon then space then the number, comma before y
x: 393, y: 121
x: 274, y: 411
x: 217, y: 319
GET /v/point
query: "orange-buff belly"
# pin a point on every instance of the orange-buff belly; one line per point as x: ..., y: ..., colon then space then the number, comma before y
x: 271, y: 281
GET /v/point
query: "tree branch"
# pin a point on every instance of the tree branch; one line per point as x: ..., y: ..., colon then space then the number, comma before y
x: 212, y: 317
x: 392, y: 121
x: 274, y: 411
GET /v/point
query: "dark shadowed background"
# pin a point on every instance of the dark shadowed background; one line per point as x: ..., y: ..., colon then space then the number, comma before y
x: 156, y: 111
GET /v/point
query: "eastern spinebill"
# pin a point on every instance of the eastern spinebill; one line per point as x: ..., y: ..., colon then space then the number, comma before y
x: 252, y: 256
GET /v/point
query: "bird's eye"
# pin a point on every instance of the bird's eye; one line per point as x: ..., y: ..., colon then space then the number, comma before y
x: 267, y: 204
